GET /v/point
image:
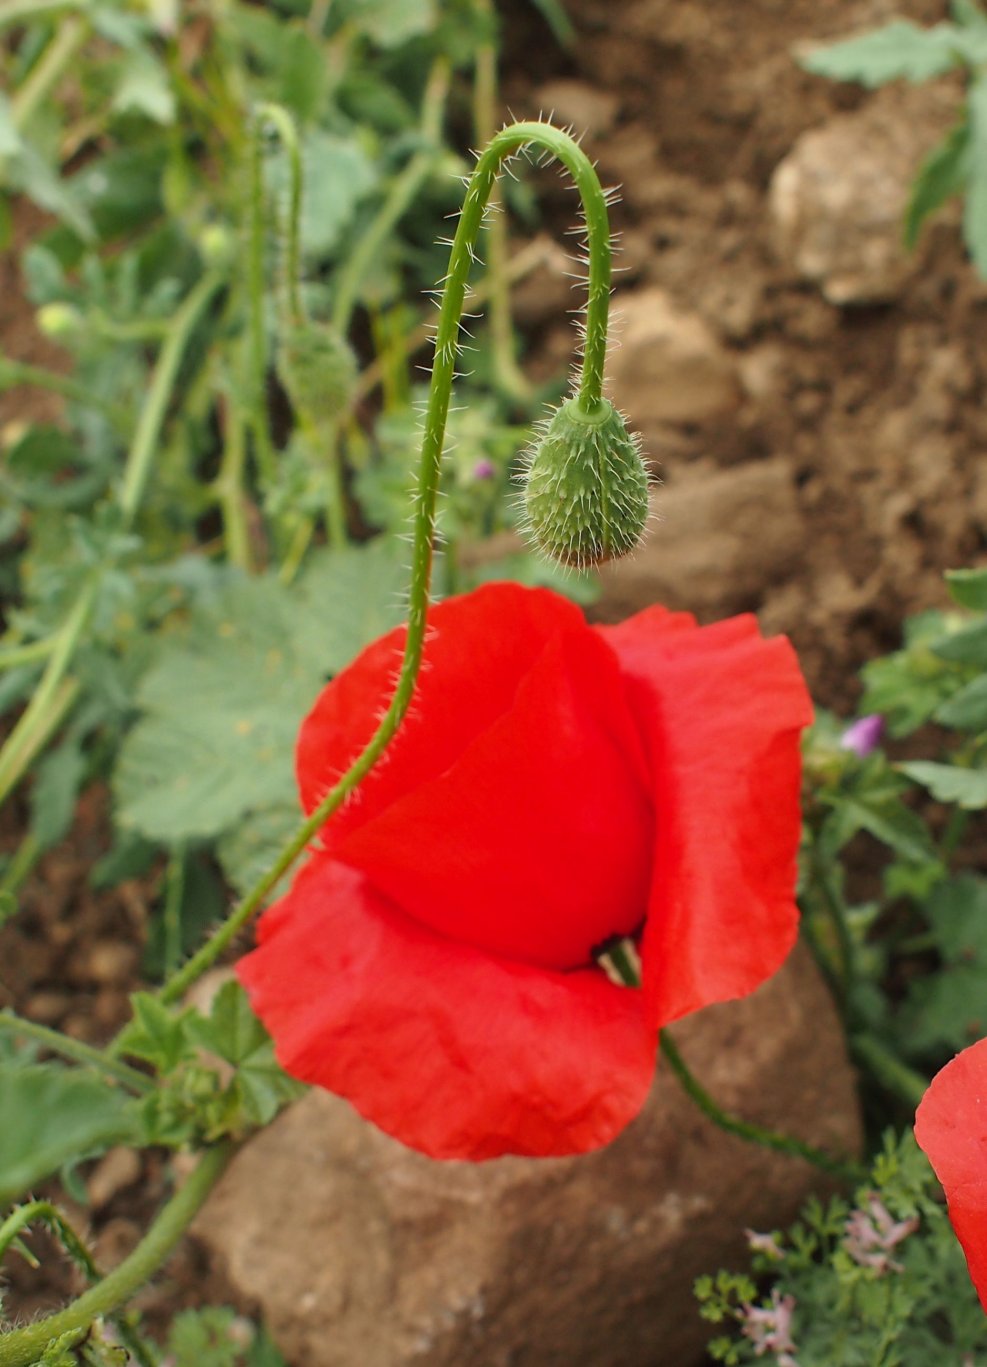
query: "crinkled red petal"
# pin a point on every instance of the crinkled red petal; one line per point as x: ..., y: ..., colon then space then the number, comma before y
x: 479, y: 648
x: 721, y: 711
x: 455, y: 1052
x: 536, y: 843
x: 951, y: 1127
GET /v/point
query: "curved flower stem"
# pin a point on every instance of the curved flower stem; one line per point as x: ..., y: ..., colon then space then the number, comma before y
x: 506, y: 143
x: 743, y: 1129
x: 78, y: 1052
x: 22, y: 1346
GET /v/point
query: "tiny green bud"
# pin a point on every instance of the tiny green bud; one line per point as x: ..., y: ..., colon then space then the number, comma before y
x: 586, y: 492
x: 318, y: 370
x: 217, y: 245
x: 60, y: 320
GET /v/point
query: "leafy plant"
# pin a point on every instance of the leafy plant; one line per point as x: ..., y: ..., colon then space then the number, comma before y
x: 901, y: 50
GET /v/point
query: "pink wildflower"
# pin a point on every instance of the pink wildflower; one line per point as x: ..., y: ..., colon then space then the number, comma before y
x: 871, y: 1234
x: 769, y: 1329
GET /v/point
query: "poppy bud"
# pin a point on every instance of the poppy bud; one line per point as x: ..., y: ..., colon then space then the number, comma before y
x: 318, y: 370
x: 586, y: 492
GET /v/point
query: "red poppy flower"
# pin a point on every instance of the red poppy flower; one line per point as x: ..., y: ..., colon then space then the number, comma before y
x: 554, y: 785
x: 951, y: 1126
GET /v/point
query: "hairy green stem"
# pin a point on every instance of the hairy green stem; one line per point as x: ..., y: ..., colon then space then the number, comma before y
x: 291, y: 272
x: 401, y: 194
x: 509, y: 141
x: 755, y: 1134
x: 506, y: 372
x: 151, y: 420
x: 54, y: 1040
x: 20, y: 1347
x: 228, y: 485
x: 256, y: 332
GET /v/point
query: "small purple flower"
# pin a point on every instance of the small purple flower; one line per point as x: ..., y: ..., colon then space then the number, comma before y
x: 770, y: 1329
x: 484, y: 469
x: 872, y: 1233
x: 863, y: 736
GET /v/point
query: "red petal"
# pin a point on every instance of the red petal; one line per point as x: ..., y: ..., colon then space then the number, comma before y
x: 951, y: 1126
x: 480, y: 647
x: 536, y: 842
x: 721, y: 711
x: 454, y: 1052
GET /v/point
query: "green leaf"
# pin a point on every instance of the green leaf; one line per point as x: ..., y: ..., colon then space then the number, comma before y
x: 969, y: 14
x: 156, y: 1034
x: 943, y: 174
x: 894, y: 824
x: 224, y: 699
x: 950, y: 1008
x: 966, y: 646
x: 967, y: 709
x: 58, y: 778
x: 52, y: 1114
x: 303, y: 77
x: 248, y: 849
x: 900, y: 50
x: 145, y: 89
x: 231, y: 1029
x: 968, y: 588
x: 389, y: 23
x: 338, y: 175
x: 949, y: 782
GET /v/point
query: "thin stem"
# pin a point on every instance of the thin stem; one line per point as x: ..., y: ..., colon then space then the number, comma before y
x: 755, y: 1134
x: 22, y: 1346
x: 43, y: 715
x: 256, y: 332
x: 291, y: 283
x: 401, y: 194
x: 503, y: 146
x: 172, y: 914
x: 893, y: 1075
x: 228, y: 486
x: 25, y: 11
x: 507, y: 373
x: 15, y: 656
x: 141, y: 456
x: 78, y: 1052
x: 48, y: 70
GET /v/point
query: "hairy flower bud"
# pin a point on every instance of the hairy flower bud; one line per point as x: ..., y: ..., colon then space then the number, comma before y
x: 318, y: 370
x: 586, y: 492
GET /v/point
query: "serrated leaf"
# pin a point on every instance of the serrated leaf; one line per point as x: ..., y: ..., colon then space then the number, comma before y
x: 949, y: 782
x: 231, y: 1029
x: 224, y: 700
x: 968, y: 588
x: 967, y: 709
x: 943, y: 174
x: 899, y: 51
x: 156, y: 1034
x: 52, y: 1114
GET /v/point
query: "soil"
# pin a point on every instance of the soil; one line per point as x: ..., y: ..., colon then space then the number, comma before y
x: 877, y: 410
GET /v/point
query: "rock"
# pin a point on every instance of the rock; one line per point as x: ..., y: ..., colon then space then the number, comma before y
x: 361, y: 1251
x: 667, y: 368
x: 838, y: 199
x: 721, y: 539
x: 577, y: 104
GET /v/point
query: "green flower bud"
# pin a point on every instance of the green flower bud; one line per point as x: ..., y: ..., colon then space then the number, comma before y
x: 60, y: 320
x: 586, y: 494
x: 318, y: 370
x: 217, y: 245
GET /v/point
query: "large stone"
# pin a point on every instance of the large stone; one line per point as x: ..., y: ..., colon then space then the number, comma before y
x: 357, y: 1250
x: 667, y: 367
x: 838, y: 199
x: 721, y: 540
